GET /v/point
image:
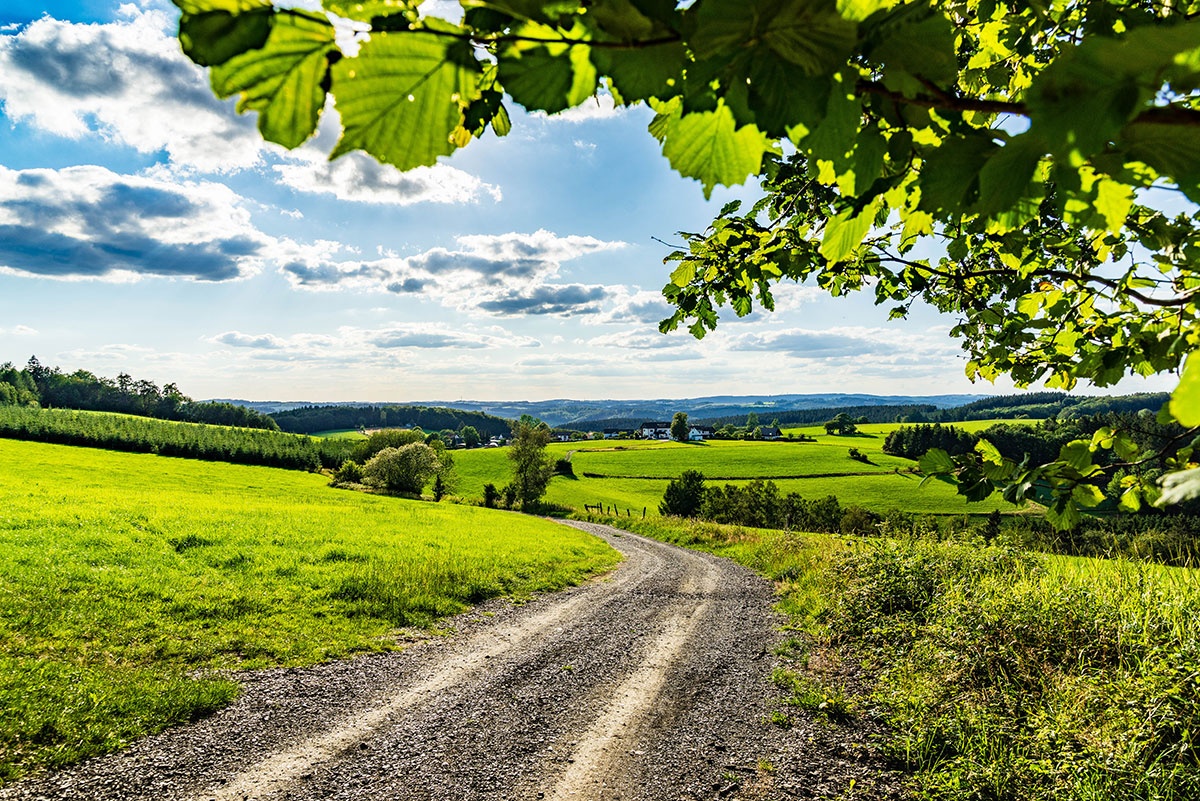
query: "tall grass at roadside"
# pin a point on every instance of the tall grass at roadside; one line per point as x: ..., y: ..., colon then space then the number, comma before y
x: 129, y: 583
x: 1001, y: 674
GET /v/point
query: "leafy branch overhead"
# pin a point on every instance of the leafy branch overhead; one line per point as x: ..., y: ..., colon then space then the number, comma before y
x: 1031, y: 168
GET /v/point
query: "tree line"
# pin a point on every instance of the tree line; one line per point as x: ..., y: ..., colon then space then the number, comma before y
x: 36, y: 385
x: 1040, y: 405
x: 311, y: 419
x: 169, y: 438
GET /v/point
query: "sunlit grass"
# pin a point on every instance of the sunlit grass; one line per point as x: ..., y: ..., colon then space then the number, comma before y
x: 127, y: 579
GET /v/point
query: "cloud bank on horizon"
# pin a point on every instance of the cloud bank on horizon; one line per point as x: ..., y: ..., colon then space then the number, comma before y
x: 146, y: 226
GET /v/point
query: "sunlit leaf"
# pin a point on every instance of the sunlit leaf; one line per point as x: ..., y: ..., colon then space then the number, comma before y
x: 710, y: 148
x: 283, y: 80
x: 403, y: 96
x: 1185, y: 400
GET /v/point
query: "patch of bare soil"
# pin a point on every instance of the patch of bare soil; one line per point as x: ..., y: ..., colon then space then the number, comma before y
x: 652, y: 683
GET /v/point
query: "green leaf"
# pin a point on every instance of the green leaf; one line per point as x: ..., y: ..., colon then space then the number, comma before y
x: 1185, y: 400
x: 1007, y: 173
x: 1113, y: 200
x: 1180, y: 487
x: 402, y: 97
x: 936, y: 462
x: 845, y: 232
x: 808, y: 33
x: 213, y: 37
x: 988, y: 452
x: 1090, y: 91
x: 543, y: 78
x: 782, y: 95
x: 1063, y: 515
x: 1078, y: 454
x: 548, y: 12
x: 367, y: 10
x: 922, y: 49
x: 1087, y: 495
x: 833, y: 139
x: 621, y: 19
x: 1124, y: 446
x: 950, y: 172
x: 283, y: 80
x: 644, y: 72
x: 228, y: 6
x: 708, y: 147
x: 1172, y: 150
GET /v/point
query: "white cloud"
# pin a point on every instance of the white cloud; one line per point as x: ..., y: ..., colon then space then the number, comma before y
x: 881, y: 346
x: 127, y: 81
x: 359, y: 178
x: 371, y: 345
x: 88, y: 222
x: 18, y: 331
x: 598, y: 107
x: 505, y: 274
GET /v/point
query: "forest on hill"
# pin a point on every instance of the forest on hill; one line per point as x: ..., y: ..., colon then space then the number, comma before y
x: 50, y: 387
x: 312, y: 419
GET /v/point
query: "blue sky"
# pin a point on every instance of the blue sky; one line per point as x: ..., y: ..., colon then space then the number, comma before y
x: 145, y: 227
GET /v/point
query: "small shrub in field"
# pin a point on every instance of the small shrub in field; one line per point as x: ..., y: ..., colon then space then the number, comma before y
x: 404, y: 469
x: 857, y: 520
x: 490, y: 495
x: 349, y: 472
x: 684, y: 496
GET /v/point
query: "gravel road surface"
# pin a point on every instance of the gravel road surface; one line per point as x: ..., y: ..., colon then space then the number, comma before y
x: 652, y: 682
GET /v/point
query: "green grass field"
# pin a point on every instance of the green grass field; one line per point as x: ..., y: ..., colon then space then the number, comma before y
x: 129, y: 578
x: 341, y: 433
x: 632, y: 475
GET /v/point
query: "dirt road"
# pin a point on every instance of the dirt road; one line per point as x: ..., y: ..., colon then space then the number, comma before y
x: 651, y: 683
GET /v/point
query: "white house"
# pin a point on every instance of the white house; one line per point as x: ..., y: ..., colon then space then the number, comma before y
x: 655, y: 430
x: 699, y: 433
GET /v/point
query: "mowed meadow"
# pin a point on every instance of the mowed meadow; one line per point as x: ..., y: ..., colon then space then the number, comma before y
x: 132, y: 581
x: 632, y: 475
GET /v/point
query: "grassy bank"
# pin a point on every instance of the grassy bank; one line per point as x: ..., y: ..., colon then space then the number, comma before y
x: 633, y: 475
x: 128, y: 579
x: 1000, y: 674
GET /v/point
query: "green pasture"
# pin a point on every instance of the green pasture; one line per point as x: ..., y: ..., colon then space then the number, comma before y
x: 129, y: 579
x: 340, y: 433
x: 871, y: 436
x: 812, y: 469
x: 729, y: 459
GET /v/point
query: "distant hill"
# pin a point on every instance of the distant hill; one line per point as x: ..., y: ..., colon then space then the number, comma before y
x: 311, y: 419
x: 596, y: 414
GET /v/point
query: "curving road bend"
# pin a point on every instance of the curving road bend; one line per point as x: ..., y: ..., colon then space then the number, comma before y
x: 650, y: 683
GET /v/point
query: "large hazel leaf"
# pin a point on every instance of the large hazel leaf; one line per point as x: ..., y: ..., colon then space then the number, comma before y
x: 542, y: 78
x: 211, y: 36
x: 845, y: 232
x: 1185, y: 400
x: 402, y: 97
x: 284, y: 80
x: 709, y: 147
x: 643, y: 72
x: 367, y: 10
x: 922, y: 49
x: 808, y: 33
